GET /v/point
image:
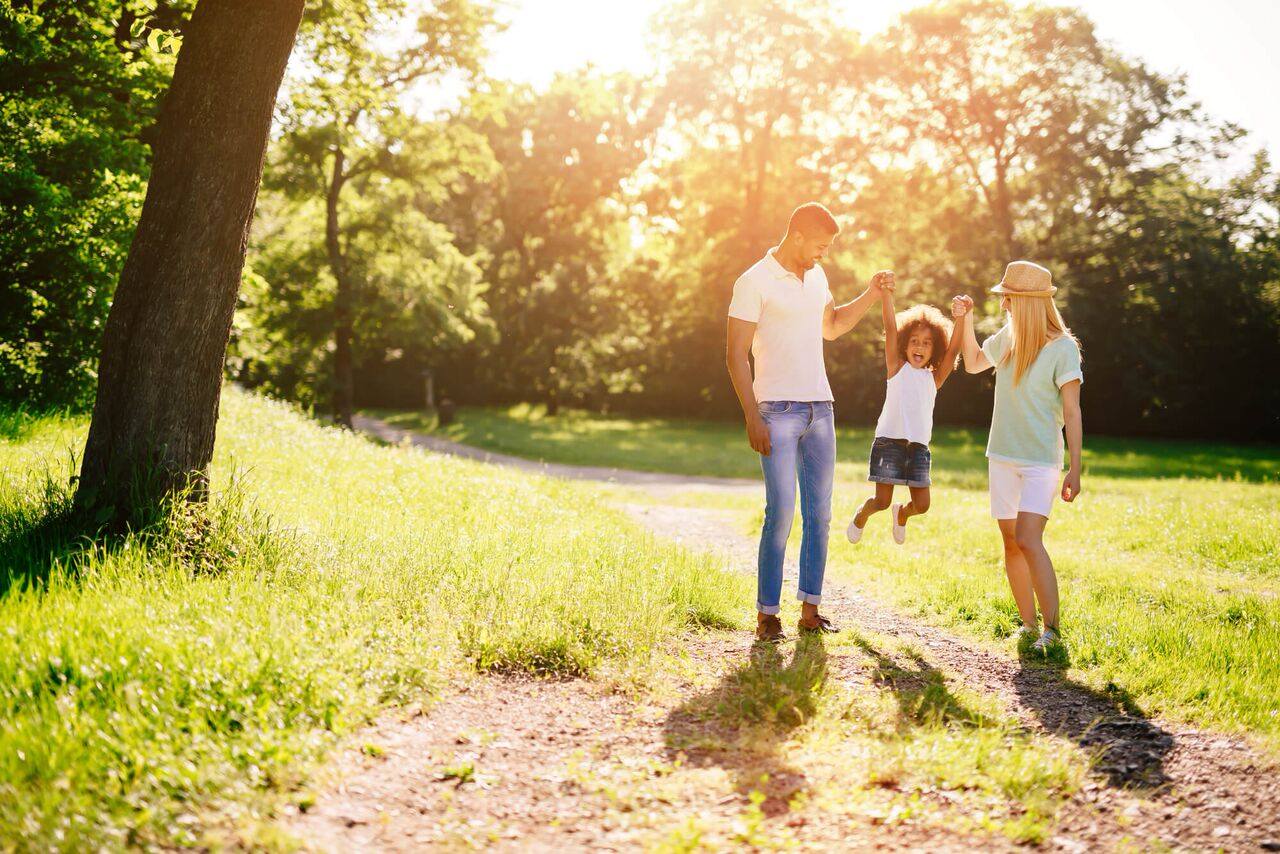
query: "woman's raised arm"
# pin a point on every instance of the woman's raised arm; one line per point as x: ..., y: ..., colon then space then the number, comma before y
x: 975, y: 361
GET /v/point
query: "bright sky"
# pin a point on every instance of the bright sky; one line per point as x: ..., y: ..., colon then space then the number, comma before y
x: 1227, y: 48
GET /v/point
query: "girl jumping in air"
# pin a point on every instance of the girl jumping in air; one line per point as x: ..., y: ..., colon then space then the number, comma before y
x: 919, y: 354
x: 1038, y: 377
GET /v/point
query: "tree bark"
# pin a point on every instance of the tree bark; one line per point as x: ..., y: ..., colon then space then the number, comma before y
x: 160, y: 373
x: 343, y: 377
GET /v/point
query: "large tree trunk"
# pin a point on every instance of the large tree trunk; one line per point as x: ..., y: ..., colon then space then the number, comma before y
x: 166, y: 336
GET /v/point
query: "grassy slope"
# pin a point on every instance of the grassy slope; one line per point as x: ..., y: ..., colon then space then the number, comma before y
x: 1168, y: 562
x: 212, y: 661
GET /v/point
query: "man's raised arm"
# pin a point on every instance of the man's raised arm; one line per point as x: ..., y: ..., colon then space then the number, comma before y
x: 840, y: 319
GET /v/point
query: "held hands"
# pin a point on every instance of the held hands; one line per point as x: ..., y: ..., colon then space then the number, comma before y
x: 1071, y: 486
x: 883, y: 282
x: 758, y: 434
x: 961, y: 305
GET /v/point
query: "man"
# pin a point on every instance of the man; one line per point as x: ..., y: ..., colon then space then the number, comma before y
x: 781, y: 312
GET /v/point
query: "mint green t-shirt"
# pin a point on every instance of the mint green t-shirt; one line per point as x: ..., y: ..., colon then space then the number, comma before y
x: 1026, y: 425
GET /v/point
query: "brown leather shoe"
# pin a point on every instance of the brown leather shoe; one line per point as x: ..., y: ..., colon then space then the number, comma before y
x: 769, y: 629
x: 819, y: 623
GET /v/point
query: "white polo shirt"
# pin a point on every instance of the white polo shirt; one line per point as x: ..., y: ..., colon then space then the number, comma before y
x: 788, y: 342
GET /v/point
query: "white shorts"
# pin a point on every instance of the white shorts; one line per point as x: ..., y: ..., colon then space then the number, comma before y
x: 1017, y: 488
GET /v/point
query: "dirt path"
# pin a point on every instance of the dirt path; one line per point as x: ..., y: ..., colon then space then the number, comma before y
x: 565, y: 766
x: 522, y: 765
x: 659, y: 483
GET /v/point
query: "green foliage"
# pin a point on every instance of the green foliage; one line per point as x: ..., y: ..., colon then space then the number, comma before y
x: 214, y: 657
x: 567, y: 293
x: 1183, y: 303
x: 80, y: 89
x: 754, y: 95
x: 348, y: 187
x: 577, y: 243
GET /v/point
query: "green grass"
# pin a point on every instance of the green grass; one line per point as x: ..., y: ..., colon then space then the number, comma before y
x: 1169, y: 563
x: 720, y: 448
x: 204, y: 664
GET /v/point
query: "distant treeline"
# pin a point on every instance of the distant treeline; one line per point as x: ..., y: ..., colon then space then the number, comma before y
x: 576, y: 244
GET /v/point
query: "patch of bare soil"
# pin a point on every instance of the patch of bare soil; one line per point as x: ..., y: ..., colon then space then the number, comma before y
x: 515, y: 764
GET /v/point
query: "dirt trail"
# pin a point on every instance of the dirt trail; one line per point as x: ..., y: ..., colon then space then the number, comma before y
x: 659, y: 483
x: 565, y: 766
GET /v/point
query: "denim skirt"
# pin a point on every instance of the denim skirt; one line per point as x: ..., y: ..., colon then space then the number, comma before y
x: 899, y: 462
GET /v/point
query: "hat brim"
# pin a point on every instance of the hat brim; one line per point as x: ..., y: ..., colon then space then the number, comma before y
x: 1001, y: 289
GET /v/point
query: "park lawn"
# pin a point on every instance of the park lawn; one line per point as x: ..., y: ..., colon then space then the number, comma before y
x: 211, y: 661
x: 719, y: 448
x: 1169, y: 563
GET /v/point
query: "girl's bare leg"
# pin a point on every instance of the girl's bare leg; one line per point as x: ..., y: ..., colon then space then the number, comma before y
x: 917, y: 506
x: 1029, y: 535
x: 1018, y: 572
x: 881, y: 501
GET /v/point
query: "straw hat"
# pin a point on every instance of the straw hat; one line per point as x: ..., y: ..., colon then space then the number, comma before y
x: 1024, y: 279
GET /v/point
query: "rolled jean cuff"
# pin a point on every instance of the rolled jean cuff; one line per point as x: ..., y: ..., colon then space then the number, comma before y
x: 809, y: 598
x: 768, y: 609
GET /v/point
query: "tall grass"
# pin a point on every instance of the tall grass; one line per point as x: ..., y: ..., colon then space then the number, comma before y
x: 211, y: 657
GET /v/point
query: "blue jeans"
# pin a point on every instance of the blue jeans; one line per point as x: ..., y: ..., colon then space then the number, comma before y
x: 802, y: 438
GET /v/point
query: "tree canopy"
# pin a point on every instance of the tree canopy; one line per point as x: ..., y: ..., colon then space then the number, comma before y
x: 575, y: 243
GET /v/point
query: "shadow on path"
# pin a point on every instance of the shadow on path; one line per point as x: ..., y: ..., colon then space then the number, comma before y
x: 1130, y: 748
x: 920, y: 690
x: 740, y: 724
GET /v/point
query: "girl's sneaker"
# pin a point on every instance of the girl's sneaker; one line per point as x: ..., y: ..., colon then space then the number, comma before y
x: 1025, y: 634
x: 854, y: 533
x: 1046, y: 641
x: 899, y: 531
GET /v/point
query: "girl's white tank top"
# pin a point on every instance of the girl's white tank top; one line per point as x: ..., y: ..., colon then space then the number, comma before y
x: 908, y: 406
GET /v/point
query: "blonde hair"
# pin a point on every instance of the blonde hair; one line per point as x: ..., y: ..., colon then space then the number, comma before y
x: 1036, y: 322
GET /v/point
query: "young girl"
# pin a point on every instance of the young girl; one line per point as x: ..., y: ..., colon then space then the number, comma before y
x: 1038, y: 377
x: 919, y: 354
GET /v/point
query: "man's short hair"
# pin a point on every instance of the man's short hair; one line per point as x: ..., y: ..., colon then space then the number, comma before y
x: 811, y: 217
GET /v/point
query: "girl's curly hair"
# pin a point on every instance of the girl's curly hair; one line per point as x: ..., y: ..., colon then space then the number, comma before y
x: 930, y: 318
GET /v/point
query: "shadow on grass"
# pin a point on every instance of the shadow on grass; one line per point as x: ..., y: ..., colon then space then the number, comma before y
x: 1129, y: 747
x: 920, y: 690
x: 35, y: 539
x: 740, y: 724
x: 39, y: 534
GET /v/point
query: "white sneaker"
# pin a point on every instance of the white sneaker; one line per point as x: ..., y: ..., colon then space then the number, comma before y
x: 853, y: 532
x: 1045, y: 641
x: 1024, y: 632
x: 899, y: 531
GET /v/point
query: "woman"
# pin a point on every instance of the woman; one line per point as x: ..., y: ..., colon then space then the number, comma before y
x: 1038, y: 377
